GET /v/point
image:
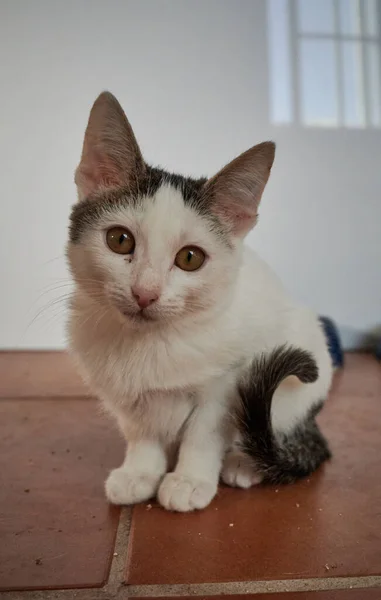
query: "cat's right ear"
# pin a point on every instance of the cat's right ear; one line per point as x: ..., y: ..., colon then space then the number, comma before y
x: 111, y: 157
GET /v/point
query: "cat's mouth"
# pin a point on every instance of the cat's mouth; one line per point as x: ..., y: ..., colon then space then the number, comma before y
x: 141, y: 316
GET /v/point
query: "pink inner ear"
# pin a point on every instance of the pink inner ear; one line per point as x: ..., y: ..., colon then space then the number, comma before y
x: 244, y: 221
x: 240, y: 219
x: 99, y: 172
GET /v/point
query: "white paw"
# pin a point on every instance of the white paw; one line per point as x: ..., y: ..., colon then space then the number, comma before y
x: 239, y: 472
x: 123, y: 487
x: 183, y: 494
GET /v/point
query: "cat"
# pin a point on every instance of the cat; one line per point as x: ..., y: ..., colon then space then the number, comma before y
x: 184, y: 334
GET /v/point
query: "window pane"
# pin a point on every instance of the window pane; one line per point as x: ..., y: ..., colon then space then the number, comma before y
x: 280, y: 61
x: 349, y: 17
x: 370, y: 18
x: 315, y: 16
x: 318, y: 83
x: 353, y: 84
x: 372, y: 57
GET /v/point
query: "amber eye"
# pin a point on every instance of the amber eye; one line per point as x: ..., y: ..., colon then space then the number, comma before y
x: 120, y: 240
x: 190, y: 258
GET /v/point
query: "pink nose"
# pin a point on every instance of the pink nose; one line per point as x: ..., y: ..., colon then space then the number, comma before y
x: 144, y: 298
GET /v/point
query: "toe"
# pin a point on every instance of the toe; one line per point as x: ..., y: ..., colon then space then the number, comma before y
x: 183, y: 494
x: 125, y: 488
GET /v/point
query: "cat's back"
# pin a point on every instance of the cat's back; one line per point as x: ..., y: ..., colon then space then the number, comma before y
x: 259, y: 278
x: 261, y: 298
x: 274, y: 317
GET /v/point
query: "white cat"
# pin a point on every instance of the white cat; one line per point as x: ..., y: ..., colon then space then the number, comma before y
x: 180, y: 329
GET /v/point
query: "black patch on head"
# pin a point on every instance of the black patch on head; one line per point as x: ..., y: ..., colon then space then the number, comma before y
x: 87, y: 212
x: 280, y: 457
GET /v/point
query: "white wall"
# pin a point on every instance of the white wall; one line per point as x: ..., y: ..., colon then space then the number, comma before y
x: 192, y: 77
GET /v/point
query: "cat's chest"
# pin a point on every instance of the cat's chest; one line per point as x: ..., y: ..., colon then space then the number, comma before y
x: 123, y: 363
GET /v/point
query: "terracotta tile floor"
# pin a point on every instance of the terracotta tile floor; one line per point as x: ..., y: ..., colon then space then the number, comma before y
x: 317, y: 540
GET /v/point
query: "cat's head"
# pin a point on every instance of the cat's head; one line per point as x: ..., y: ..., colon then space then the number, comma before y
x: 154, y: 246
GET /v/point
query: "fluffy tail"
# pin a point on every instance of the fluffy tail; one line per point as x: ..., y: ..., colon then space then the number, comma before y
x: 284, y: 457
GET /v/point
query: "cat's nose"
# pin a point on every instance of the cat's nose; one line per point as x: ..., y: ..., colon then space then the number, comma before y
x: 144, y: 298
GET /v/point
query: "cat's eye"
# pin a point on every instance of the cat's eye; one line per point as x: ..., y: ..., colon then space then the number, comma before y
x: 190, y: 258
x: 120, y: 240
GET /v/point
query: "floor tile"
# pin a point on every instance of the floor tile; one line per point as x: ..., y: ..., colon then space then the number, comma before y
x: 361, y: 376
x: 325, y: 526
x: 358, y: 594
x: 28, y: 374
x: 56, y: 529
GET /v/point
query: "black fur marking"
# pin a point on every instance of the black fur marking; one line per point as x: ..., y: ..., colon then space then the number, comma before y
x: 280, y: 458
x: 87, y: 212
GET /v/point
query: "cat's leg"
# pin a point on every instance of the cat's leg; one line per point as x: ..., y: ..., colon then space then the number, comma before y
x: 140, y: 475
x: 193, y: 484
x: 239, y: 469
x: 151, y: 427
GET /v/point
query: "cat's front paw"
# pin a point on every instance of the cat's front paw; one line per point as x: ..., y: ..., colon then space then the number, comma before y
x: 183, y: 494
x: 123, y: 487
x: 239, y: 472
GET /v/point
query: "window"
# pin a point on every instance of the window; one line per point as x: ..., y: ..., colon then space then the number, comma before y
x: 324, y: 62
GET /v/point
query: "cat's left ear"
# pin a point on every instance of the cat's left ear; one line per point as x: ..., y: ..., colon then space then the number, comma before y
x: 234, y: 194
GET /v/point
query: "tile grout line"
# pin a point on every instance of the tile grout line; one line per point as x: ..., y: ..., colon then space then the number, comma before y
x: 253, y: 587
x: 49, y: 397
x: 67, y: 594
x: 122, y: 592
x: 119, y: 561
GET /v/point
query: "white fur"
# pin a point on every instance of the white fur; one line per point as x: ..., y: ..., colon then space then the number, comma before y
x: 170, y: 382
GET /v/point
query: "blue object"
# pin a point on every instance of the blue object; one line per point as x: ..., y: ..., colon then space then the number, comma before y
x: 333, y: 341
x: 377, y: 350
